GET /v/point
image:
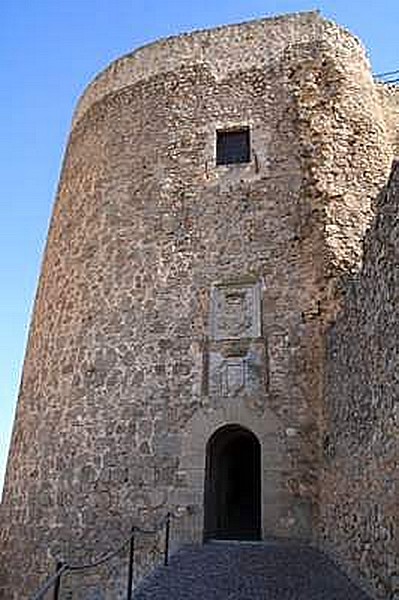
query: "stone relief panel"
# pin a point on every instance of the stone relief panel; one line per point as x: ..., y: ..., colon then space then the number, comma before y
x: 236, y: 354
x: 231, y: 375
x: 235, y: 312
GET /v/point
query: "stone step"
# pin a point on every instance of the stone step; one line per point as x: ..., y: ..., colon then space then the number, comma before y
x: 248, y: 571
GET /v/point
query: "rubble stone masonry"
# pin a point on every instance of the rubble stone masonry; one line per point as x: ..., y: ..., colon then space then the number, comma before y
x: 178, y: 296
x: 359, y: 487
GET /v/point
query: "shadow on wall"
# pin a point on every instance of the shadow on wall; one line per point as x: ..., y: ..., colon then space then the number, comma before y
x: 359, y: 503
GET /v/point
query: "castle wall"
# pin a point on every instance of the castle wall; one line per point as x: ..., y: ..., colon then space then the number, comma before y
x: 133, y: 344
x: 389, y: 100
x: 142, y: 232
x: 359, y: 498
x: 255, y: 44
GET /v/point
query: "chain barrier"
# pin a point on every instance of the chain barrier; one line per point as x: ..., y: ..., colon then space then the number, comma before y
x: 54, y: 582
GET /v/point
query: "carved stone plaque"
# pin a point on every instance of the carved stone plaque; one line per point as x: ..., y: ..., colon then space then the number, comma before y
x: 232, y: 376
x: 236, y: 352
x: 235, y: 312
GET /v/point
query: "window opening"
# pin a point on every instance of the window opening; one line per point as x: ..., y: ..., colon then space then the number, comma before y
x: 233, y: 146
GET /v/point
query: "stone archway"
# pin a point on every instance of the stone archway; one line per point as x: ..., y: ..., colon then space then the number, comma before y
x: 233, y: 485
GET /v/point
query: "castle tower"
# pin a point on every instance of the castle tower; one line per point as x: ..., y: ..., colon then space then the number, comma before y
x: 213, y: 192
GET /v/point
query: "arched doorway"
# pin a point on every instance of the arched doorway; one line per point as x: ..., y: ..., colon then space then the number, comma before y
x: 233, y: 485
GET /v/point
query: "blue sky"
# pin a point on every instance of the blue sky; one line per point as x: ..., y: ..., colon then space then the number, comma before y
x: 49, y: 51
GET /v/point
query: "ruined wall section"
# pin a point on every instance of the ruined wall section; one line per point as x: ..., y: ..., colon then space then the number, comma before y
x: 359, y: 498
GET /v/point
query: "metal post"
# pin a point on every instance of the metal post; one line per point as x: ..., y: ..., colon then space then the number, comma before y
x: 57, y: 585
x: 167, y: 536
x: 131, y: 563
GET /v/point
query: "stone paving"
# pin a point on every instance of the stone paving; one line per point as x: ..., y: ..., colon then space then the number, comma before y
x: 248, y: 571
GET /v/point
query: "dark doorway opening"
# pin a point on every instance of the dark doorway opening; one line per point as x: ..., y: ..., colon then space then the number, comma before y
x: 233, y: 485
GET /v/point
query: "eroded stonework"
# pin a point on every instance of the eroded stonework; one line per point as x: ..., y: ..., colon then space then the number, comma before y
x: 178, y: 296
x: 360, y: 494
x: 236, y: 355
x: 235, y: 312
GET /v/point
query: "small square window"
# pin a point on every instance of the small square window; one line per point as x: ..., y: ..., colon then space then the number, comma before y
x: 233, y: 146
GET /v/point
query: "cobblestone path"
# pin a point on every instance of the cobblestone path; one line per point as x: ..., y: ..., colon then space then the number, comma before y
x: 248, y: 571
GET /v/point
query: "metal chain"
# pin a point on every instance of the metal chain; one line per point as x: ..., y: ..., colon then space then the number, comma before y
x: 164, y: 522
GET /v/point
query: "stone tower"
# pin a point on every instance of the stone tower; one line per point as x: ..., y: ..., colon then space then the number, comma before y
x: 214, y: 195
